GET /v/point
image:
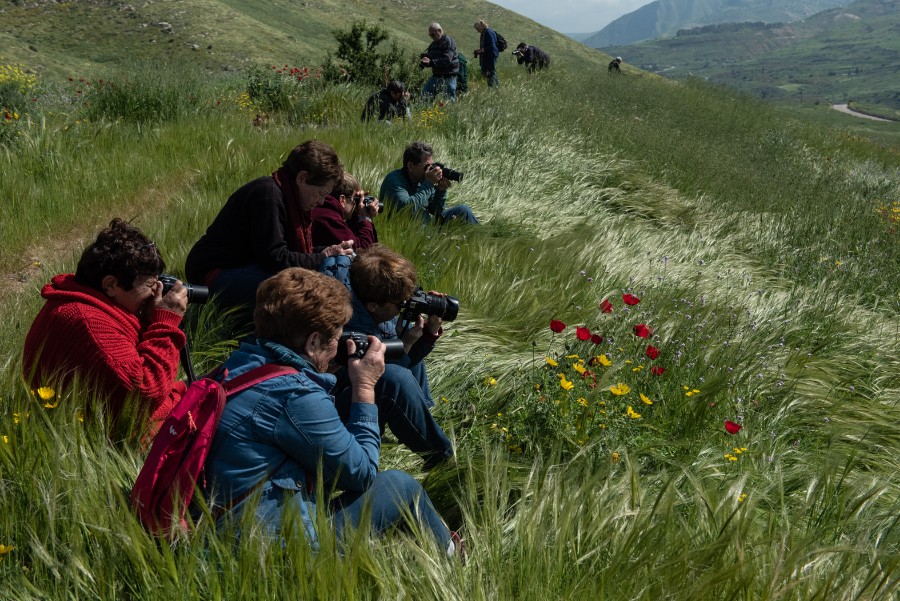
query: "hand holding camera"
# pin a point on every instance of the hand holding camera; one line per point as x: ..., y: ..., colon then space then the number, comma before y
x: 364, y: 357
x: 369, y: 206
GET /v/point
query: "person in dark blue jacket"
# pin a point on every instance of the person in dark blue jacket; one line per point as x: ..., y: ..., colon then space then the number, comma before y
x: 274, y: 438
x: 532, y: 57
x: 487, y: 52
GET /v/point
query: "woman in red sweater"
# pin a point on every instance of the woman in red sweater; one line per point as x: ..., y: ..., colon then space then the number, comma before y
x: 109, y: 326
x: 346, y: 215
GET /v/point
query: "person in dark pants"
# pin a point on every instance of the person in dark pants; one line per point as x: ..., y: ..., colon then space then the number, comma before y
x: 532, y: 57
x: 388, y: 104
x: 487, y: 52
x: 613, y: 66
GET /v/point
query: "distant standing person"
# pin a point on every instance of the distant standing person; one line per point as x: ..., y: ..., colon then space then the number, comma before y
x: 532, y: 57
x: 388, y: 104
x: 443, y: 60
x: 488, y: 52
x: 420, y: 187
x: 613, y: 66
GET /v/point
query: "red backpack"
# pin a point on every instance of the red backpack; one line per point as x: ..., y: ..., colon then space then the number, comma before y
x: 163, y: 490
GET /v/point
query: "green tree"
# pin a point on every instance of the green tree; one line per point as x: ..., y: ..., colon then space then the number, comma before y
x: 364, y: 59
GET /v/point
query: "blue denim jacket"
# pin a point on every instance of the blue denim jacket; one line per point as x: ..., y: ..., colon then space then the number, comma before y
x: 273, y: 436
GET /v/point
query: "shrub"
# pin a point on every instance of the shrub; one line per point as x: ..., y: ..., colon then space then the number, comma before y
x: 363, y: 62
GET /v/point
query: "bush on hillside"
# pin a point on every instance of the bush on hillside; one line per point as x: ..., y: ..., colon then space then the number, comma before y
x: 363, y: 63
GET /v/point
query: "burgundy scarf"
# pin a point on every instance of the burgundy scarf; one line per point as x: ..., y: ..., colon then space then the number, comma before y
x: 299, y: 222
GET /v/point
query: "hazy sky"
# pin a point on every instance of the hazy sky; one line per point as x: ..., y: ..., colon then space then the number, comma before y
x: 572, y: 16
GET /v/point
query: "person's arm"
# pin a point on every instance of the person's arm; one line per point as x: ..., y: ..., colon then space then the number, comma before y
x: 364, y: 232
x: 491, y: 44
x: 329, y: 227
x: 393, y: 191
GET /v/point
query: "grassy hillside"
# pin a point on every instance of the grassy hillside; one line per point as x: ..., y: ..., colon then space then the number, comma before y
x: 77, y: 38
x: 762, y: 251
x: 839, y: 55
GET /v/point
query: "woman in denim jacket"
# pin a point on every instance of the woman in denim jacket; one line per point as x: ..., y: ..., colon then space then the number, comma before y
x: 273, y: 437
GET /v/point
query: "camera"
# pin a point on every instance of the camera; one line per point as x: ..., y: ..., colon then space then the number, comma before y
x: 452, y: 174
x: 445, y: 307
x: 368, y: 199
x: 393, y: 349
x: 196, y: 294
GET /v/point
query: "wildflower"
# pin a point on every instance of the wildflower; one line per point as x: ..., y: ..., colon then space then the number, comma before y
x: 632, y: 413
x: 602, y: 360
x: 645, y: 399
x: 620, y: 389
x: 45, y: 393
x: 730, y: 457
x: 652, y: 352
x: 741, y: 497
x: 5, y: 439
x: 489, y: 381
x: 582, y: 401
x: 630, y: 299
x: 656, y: 370
x: 642, y: 331
x: 606, y: 306
x: 557, y: 326
x: 596, y: 338
x: 17, y: 417
x: 565, y: 384
x: 732, y: 428
x: 582, y: 333
x: 580, y: 368
x: 551, y: 362
x: 4, y: 549
x: 615, y: 456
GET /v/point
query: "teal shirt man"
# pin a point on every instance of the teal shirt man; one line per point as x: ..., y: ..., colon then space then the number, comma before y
x: 421, y: 188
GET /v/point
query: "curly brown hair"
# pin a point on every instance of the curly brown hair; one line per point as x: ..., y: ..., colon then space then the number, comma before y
x: 346, y: 185
x: 296, y: 302
x: 318, y: 159
x: 381, y: 275
x: 122, y: 251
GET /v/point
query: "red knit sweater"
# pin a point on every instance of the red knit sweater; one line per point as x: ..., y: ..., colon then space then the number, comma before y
x: 80, y: 332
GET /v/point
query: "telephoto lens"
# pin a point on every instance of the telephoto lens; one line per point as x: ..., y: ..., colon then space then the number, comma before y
x: 196, y: 294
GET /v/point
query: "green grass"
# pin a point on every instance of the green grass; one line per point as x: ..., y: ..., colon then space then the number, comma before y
x: 753, y: 240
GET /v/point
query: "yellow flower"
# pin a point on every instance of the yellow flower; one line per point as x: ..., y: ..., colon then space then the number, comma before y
x: 645, y: 399
x: 604, y: 360
x: 45, y: 393
x: 551, y: 362
x: 17, y: 417
x: 582, y: 401
x: 579, y: 368
x: 489, y: 381
x: 572, y: 357
x: 628, y: 361
x: 637, y: 369
x: 565, y: 384
x: 620, y: 389
x: 5, y: 439
x: 730, y: 457
x: 690, y: 392
x: 615, y: 456
x: 4, y: 549
x: 603, y: 426
x: 633, y: 414
x: 742, y: 496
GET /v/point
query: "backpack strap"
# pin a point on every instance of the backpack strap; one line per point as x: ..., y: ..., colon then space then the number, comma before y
x: 255, y: 376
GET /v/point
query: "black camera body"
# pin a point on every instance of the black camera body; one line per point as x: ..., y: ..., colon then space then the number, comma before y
x: 445, y: 307
x: 195, y: 294
x: 368, y: 200
x: 393, y: 349
x: 452, y: 174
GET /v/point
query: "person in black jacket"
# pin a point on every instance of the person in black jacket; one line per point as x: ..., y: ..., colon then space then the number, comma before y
x: 532, y: 57
x: 265, y: 226
x: 613, y: 66
x: 443, y: 60
x: 389, y: 103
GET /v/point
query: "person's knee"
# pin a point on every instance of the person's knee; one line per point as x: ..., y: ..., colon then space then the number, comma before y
x: 398, y: 384
x: 401, y: 484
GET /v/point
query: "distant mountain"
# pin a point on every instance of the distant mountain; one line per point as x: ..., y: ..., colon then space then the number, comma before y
x: 665, y: 17
x: 840, y: 54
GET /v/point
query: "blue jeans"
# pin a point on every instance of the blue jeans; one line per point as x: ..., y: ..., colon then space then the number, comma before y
x: 392, y: 497
x: 491, y: 77
x: 461, y: 213
x: 403, y: 406
x: 439, y: 85
x: 235, y: 288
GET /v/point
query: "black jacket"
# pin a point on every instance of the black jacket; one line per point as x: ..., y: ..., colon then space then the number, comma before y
x: 443, y: 56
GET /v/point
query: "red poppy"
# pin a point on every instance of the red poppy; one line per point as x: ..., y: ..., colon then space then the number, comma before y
x: 656, y: 370
x: 630, y: 299
x: 582, y: 333
x: 606, y: 306
x: 596, y: 338
x: 642, y: 331
x: 557, y: 326
x: 732, y: 428
x: 652, y: 351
